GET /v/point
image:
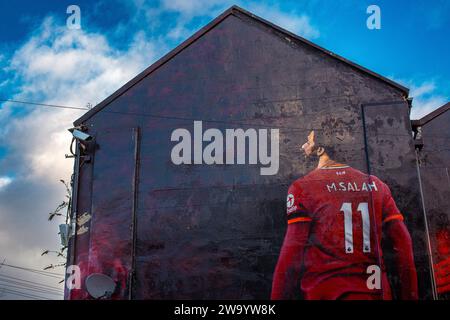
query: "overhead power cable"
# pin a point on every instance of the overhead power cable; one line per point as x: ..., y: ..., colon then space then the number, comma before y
x: 41, y: 272
x: 32, y: 286
x: 28, y: 286
x: 43, y: 104
x: 240, y: 122
x: 31, y: 290
x: 8, y: 277
x: 24, y: 294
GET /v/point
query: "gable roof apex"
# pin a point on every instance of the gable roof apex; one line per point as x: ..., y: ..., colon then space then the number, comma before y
x: 233, y: 10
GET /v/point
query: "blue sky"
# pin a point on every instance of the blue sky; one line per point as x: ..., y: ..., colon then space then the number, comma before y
x: 410, y: 47
x: 42, y: 60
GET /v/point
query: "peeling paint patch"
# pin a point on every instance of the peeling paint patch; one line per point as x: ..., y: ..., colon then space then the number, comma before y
x: 85, y: 217
x: 82, y: 230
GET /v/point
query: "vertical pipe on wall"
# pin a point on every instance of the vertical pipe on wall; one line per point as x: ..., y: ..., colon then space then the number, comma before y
x: 369, y: 172
x: 132, y: 274
x: 430, y: 253
x: 448, y: 177
x: 73, y: 215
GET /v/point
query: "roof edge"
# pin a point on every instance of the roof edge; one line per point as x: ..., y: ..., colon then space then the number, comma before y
x: 398, y: 86
x: 154, y: 66
x: 233, y: 9
x: 433, y: 114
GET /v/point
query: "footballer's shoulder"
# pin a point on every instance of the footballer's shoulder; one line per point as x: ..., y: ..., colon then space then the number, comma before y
x: 304, y: 180
x: 296, y: 183
x: 370, y: 177
x: 312, y: 175
x: 364, y: 175
x: 378, y: 181
x: 375, y: 178
x: 358, y: 172
x: 299, y: 181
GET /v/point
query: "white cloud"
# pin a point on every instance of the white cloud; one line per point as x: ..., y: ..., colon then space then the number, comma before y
x: 425, y: 96
x: 66, y: 67
x: 4, y: 181
x: 188, y: 10
x: 299, y: 24
x: 196, y: 7
x: 73, y: 67
x: 426, y: 99
x: 56, y: 66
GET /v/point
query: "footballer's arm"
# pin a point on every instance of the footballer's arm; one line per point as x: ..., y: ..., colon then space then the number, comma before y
x: 398, y: 234
x: 286, y: 278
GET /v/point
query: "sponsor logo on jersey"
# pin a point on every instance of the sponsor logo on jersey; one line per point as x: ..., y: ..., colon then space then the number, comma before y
x: 290, y: 203
x: 290, y: 200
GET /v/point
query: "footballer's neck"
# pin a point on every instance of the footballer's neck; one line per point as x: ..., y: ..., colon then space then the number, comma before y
x: 325, y: 161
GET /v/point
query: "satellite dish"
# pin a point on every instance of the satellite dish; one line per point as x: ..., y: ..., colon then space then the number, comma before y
x: 100, y: 286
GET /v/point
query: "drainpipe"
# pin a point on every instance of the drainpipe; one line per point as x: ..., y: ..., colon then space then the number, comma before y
x: 73, y: 215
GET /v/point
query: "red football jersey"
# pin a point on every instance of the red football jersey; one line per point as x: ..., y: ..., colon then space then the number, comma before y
x: 346, y: 209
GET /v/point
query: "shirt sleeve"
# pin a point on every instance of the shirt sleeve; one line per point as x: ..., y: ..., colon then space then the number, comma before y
x: 390, y: 210
x: 295, y: 205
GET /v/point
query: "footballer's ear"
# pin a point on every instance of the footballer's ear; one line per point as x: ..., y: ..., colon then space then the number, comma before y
x: 311, y: 136
x: 320, y: 151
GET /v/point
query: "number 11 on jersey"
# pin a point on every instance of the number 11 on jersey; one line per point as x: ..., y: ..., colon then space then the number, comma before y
x: 363, y: 208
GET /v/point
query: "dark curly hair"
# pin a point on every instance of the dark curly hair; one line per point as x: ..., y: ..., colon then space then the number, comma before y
x: 324, y: 139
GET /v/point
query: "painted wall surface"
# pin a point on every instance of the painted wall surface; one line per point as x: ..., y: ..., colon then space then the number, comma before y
x: 434, y: 167
x: 214, y: 231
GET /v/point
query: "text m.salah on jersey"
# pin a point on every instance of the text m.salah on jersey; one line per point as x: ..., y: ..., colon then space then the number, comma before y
x: 352, y: 186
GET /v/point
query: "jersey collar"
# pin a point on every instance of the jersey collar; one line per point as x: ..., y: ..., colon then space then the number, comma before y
x: 335, y: 166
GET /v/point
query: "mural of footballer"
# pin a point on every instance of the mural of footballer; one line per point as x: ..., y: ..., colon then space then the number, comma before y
x: 336, y: 218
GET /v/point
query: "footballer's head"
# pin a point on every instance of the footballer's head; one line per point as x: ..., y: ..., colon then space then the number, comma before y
x: 315, y: 145
x: 310, y: 145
